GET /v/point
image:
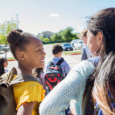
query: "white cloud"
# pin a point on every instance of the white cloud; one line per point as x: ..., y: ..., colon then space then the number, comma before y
x: 54, y: 15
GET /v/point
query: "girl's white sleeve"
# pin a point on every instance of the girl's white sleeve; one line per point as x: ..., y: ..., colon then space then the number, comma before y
x: 58, y: 100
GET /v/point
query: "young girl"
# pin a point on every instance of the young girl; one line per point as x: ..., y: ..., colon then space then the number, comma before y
x: 28, y: 51
x: 3, y: 65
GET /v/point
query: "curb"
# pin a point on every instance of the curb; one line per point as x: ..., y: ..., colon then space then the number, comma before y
x: 75, y: 54
x: 12, y: 60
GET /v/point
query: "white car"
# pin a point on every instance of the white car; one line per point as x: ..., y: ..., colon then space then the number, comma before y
x: 73, y: 41
x: 78, y: 45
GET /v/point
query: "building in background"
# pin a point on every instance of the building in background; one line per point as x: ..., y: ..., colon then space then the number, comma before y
x: 46, y: 34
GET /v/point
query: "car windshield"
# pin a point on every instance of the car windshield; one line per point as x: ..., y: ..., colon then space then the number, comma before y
x: 81, y: 42
x: 66, y: 45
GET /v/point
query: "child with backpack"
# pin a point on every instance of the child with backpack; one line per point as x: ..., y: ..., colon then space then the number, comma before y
x: 57, y: 68
x: 27, y: 90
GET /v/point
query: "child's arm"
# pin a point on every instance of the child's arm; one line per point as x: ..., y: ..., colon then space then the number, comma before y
x: 66, y: 68
x: 26, y: 108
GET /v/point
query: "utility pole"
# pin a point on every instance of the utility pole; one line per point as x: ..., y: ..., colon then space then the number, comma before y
x: 17, y: 21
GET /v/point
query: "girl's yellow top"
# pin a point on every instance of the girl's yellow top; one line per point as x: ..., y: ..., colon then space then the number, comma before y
x: 29, y: 91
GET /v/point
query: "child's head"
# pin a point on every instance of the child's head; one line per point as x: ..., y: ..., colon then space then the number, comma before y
x: 57, y: 50
x: 83, y: 36
x: 27, y: 49
x: 3, y: 64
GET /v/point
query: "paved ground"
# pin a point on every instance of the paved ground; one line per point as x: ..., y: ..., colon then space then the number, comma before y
x: 71, y: 59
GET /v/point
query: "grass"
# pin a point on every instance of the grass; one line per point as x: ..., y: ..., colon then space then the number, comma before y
x: 71, y: 52
x: 10, y: 58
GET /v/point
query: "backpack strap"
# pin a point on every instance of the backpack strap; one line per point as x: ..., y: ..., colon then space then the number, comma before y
x: 24, y: 78
x: 8, y: 76
x: 51, y: 63
x: 60, y: 61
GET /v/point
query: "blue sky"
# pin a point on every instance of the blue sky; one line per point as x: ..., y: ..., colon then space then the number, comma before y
x: 36, y: 16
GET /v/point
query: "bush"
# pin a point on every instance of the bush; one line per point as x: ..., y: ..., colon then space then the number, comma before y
x: 46, y: 40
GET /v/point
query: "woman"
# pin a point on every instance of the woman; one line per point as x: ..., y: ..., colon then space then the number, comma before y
x: 100, y: 84
x: 28, y: 51
x: 3, y: 65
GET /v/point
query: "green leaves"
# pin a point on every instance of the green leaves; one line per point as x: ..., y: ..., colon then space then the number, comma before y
x: 5, y: 28
x: 64, y: 35
x: 46, y: 40
x: 56, y: 37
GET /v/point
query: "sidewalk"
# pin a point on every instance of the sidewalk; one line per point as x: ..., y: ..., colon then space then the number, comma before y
x: 9, y: 54
x: 12, y: 64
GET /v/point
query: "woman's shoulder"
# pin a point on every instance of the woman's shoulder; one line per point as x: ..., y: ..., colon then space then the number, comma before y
x: 84, y: 65
x: 94, y: 60
x: 79, y: 73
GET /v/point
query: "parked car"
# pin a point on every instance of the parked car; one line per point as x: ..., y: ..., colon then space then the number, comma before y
x: 73, y: 41
x: 4, y: 48
x: 1, y: 48
x: 78, y: 45
x: 67, y: 47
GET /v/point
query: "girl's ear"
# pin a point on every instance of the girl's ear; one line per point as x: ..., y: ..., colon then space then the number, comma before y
x: 20, y: 55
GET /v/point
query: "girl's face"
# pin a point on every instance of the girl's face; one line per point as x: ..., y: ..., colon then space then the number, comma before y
x: 93, y: 42
x: 6, y: 63
x: 34, y: 55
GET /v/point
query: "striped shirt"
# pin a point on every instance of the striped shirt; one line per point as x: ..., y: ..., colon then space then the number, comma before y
x: 64, y: 66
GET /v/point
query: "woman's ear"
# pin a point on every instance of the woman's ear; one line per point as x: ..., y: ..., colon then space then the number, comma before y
x: 100, y: 38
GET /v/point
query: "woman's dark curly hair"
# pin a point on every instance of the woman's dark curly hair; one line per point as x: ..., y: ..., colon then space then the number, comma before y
x: 102, y: 79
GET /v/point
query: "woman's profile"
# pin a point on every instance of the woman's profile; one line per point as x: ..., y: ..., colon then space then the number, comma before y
x: 85, y: 80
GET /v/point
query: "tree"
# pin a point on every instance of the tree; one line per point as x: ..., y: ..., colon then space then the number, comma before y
x: 5, y: 28
x: 75, y: 36
x: 67, y: 34
x: 56, y: 37
x: 46, y: 40
x: 41, y: 38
